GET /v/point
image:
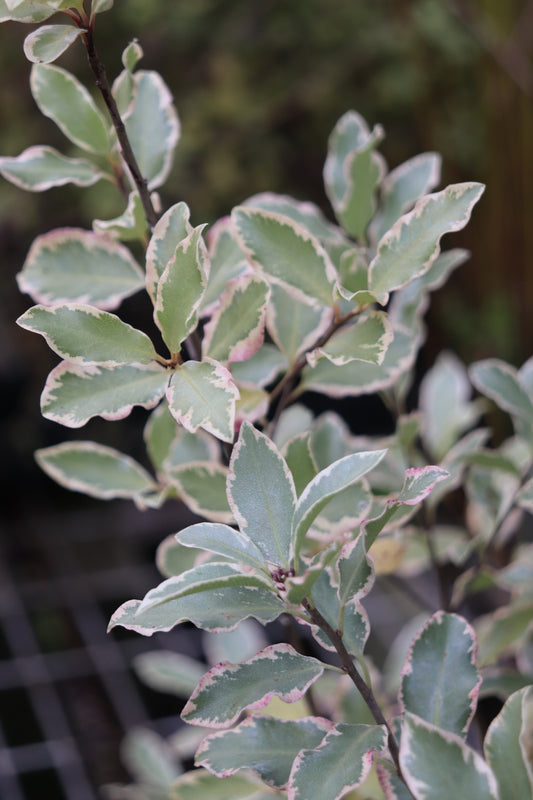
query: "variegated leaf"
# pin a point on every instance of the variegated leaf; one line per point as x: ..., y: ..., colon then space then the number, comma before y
x: 74, y: 394
x: 227, y: 262
x: 172, y: 558
x: 349, y: 134
x: 295, y: 326
x: 171, y: 229
x: 286, y: 253
x: 501, y: 383
x: 436, y: 764
x: 152, y: 126
x: 166, y: 671
x: 261, y: 369
x: 339, y: 764
x: 131, y: 224
x: 62, y: 98
x: 508, y: 746
x: 45, y: 44
x: 180, y: 290
x: 224, y: 541
x: 228, y: 689
x: 77, y: 266
x: 236, y: 330
x: 499, y: 631
x: 440, y: 681
x: 201, y: 394
x: 185, y: 448
x: 252, y: 405
x: 297, y: 453
x: 201, y: 783
x: 411, y: 246
x: 351, y: 618
x: 39, y: 168
x: 149, y: 758
x: 159, y: 432
x: 265, y: 745
x: 356, y: 576
x: 363, y: 170
x: 95, y: 469
x: 202, y: 487
x: 261, y: 494
x: 25, y: 11
x: 419, y: 482
x: 368, y: 339
x: 87, y: 335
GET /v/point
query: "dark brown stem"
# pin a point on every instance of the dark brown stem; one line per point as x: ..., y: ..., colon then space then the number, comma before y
x: 102, y: 83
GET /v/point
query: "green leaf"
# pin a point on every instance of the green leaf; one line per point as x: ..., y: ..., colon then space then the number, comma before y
x: 261, y: 494
x: 265, y: 745
x: 99, y: 6
x: 48, y: 42
x: 300, y: 461
x: 228, y: 689
x: 438, y: 764
x: 339, y: 764
x: 171, y: 229
x: 440, y: 682
x: 411, y: 246
x: 419, y: 482
x: 367, y: 339
x: 202, y: 487
x: 131, y: 55
x: 224, y: 541
x: 39, y: 168
x: 356, y: 575
x: 159, y: 433
x: 86, y: 335
x: 25, y: 11
x: 500, y: 382
x: 95, y: 469
x: 77, y: 266
x: 200, y: 783
x: 352, y: 618
x: 202, y: 395
x: 149, y: 758
x: 350, y: 134
x: 185, y: 448
x: 165, y: 671
x: 508, y: 746
x: 180, y: 290
x: 286, y: 253
x: 295, y: 326
x: 74, y: 394
x: 227, y: 262
x: 62, y: 98
x: 131, y: 224
x: 172, y: 558
x: 261, y: 369
x: 499, y: 631
x: 152, y: 126
x: 323, y: 487
x: 236, y: 330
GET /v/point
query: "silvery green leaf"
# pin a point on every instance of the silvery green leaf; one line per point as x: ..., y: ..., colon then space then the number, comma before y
x: 351, y: 618
x: 339, y: 764
x: 201, y: 783
x: 265, y: 745
x: 236, y: 330
x: 84, y: 334
x: 355, y: 572
x: 302, y: 212
x: 436, y: 763
x: 261, y: 494
x: 201, y: 394
x: 252, y: 405
x: 165, y: 671
x: 25, y: 10
x: 329, y: 439
x: 95, y: 469
x: 294, y: 420
x: 171, y: 229
x: 62, y: 98
x: 501, y: 383
x: 508, y: 746
x: 367, y: 339
x: 149, y: 758
x: 159, y: 432
x: 77, y: 266
x: 261, y: 369
x: 294, y: 325
x: 152, y: 126
x: 228, y: 689
x: 500, y: 631
x: 202, y: 487
x: 410, y: 247
x: 39, y: 168
x: 227, y: 262
x: 131, y: 55
x: 350, y: 134
x: 74, y: 394
x: 440, y: 681
x: 297, y: 454
x: 224, y: 541
x: 45, y: 44
x: 286, y: 253
x: 131, y: 224
x: 172, y: 558
x: 185, y: 447
x: 419, y: 482
x: 180, y: 290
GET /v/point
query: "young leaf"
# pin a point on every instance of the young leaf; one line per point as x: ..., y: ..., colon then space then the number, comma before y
x: 168, y: 672
x: 294, y: 325
x: 45, y: 44
x: 367, y: 339
x: 261, y: 494
x: 224, y: 541
x: 202, y: 395
x: 171, y: 229
x: 202, y: 487
x: 69, y: 265
x: 95, y: 469
x: 152, y: 126
x: 227, y: 262
x: 236, y: 330
x: 131, y: 224
x: 411, y: 246
x: 228, y: 689
x: 356, y: 575
x: 39, y: 168
x: 265, y: 745
x: 62, y: 98
x: 355, y: 623
x: 437, y: 764
x: 73, y: 394
x: 339, y: 764
x: 286, y: 253
x: 501, y: 383
x: 440, y: 681
x: 86, y: 335
x: 349, y: 134
x: 508, y: 746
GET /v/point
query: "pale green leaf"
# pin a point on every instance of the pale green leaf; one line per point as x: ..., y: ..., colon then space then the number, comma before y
x: 131, y: 224
x: 203, y: 395
x: 45, y: 44
x: 411, y: 246
x: 149, y: 758
x: 171, y: 229
x: 356, y: 576
x: 501, y: 383
x: 349, y: 134
x: 95, y: 469
x: 62, y: 98
x: 265, y: 745
x: 339, y: 764
x: 297, y: 453
x: 252, y: 404
x: 87, y: 335
x: 172, y: 558
x: 525, y: 496
x: 440, y: 682
x: 152, y: 126
x: 185, y: 448
x: 39, y: 168
x: 159, y: 433
x: 224, y: 541
x: 25, y: 10
x: 227, y: 262
x: 352, y: 617
x: 228, y: 689
x: 295, y: 326
x: 236, y: 330
x: 501, y: 630
x: 286, y: 253
x: 261, y: 494
x: 165, y: 671
x: 74, y: 394
x: 131, y: 55
x: 508, y: 746
x: 200, y: 783
x: 363, y: 170
x: 77, y: 266
x: 367, y: 339
x: 202, y: 487
x: 419, y: 482
x: 438, y: 765
x: 261, y: 369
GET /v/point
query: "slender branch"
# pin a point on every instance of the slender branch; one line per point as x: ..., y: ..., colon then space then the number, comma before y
x: 102, y: 83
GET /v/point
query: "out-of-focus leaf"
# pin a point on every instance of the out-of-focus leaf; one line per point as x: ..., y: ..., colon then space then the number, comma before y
x: 40, y: 168
x: 45, y: 44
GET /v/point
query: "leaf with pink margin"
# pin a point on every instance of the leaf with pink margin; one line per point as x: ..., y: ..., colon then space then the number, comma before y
x: 45, y: 44
x: 40, y: 168
x: 201, y: 485
x: 228, y: 689
x: 224, y: 541
x: 419, y: 482
x: 508, y: 745
x: 171, y: 229
x: 227, y: 262
x: 501, y: 383
x: 27, y: 11
x: 294, y: 325
x: 367, y: 340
